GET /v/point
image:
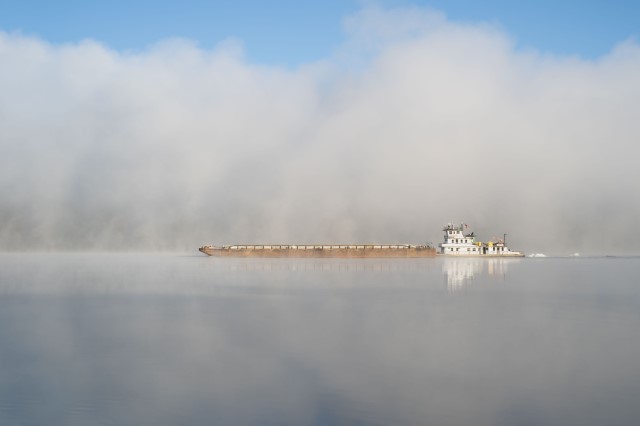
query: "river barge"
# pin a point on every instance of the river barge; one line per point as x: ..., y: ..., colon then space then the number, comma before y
x: 348, y: 251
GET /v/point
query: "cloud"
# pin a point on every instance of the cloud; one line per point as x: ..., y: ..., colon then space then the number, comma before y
x: 414, y: 121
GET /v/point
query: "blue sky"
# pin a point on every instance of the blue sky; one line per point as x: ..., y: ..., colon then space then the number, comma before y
x: 290, y: 32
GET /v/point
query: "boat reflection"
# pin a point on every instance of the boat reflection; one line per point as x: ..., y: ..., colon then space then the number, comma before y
x: 459, y: 273
x: 190, y: 275
x: 319, y: 265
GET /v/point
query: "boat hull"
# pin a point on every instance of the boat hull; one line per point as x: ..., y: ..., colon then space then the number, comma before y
x: 362, y: 252
x: 481, y: 255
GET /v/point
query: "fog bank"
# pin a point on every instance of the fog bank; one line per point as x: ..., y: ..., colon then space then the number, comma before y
x: 413, y: 122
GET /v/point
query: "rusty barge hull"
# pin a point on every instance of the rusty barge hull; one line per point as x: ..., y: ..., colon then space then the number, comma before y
x: 322, y: 251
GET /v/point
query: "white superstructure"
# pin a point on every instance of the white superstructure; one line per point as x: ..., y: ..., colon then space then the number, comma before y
x: 457, y: 243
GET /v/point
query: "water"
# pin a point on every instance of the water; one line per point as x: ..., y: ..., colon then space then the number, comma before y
x: 191, y: 340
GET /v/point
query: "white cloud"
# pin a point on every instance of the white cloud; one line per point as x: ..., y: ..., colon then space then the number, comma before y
x: 179, y: 146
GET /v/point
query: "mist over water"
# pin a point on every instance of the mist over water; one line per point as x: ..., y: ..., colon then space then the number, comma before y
x: 413, y: 122
x: 149, y: 339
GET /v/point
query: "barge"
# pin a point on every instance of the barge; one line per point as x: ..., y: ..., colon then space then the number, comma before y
x: 348, y: 251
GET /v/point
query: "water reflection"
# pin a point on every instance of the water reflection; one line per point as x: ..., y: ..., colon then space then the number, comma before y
x: 166, y: 340
x: 319, y: 265
x: 459, y: 273
x: 192, y: 275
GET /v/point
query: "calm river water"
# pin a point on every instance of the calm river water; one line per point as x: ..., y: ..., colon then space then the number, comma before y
x: 89, y: 339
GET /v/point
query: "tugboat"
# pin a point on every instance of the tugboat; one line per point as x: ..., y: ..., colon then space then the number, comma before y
x: 457, y: 243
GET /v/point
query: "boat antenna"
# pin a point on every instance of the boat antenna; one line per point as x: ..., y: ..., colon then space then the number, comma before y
x: 504, y: 240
